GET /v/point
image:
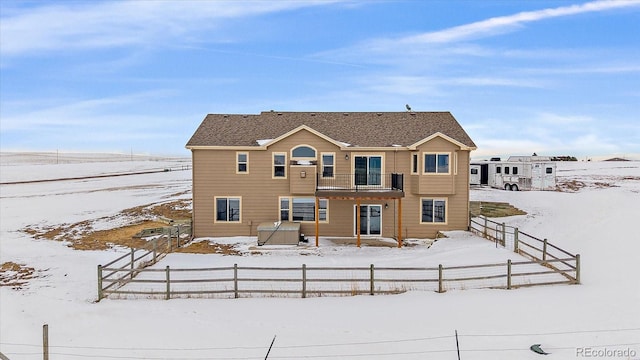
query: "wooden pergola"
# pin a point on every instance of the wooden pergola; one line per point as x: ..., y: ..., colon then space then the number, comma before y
x: 358, y: 197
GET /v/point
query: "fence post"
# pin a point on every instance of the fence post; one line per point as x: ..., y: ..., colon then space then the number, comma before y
x: 99, y: 282
x: 577, y: 268
x: 544, y: 250
x: 304, y: 281
x: 484, y: 229
x: 45, y: 342
x: 504, y: 235
x: 168, y: 295
x: 440, y: 287
x: 515, y: 240
x: 235, y: 280
x: 132, y: 260
x: 371, y: 282
x: 155, y: 245
x: 509, y: 274
x: 178, y: 236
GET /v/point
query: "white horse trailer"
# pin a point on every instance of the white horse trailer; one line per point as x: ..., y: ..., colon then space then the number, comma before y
x: 517, y: 173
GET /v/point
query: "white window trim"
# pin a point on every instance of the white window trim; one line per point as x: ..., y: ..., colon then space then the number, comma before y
x: 215, y: 209
x: 238, y: 162
x: 273, y: 166
x: 306, y: 157
x: 355, y: 229
x: 455, y: 160
x: 368, y: 155
x: 322, y: 164
x: 290, y: 198
x: 424, y: 171
x: 446, y: 211
x: 417, y: 157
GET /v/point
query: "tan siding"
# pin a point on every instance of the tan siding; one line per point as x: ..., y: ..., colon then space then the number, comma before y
x: 214, y: 174
x: 436, y: 184
x: 302, y: 180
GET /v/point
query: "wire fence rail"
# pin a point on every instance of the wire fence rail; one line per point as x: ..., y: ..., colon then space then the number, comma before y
x: 548, y: 265
x: 136, y: 274
x: 119, y: 272
x: 529, y: 246
x: 307, y: 281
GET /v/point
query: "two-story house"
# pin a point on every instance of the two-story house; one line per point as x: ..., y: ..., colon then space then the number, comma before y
x: 352, y: 174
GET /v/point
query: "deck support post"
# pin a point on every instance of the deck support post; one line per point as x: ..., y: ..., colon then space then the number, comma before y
x: 317, y: 222
x: 358, y: 221
x: 399, y: 222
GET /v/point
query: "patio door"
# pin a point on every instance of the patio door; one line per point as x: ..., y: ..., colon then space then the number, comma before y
x: 370, y: 219
x: 368, y: 170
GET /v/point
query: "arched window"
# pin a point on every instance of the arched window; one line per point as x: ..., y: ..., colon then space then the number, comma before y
x: 303, y: 151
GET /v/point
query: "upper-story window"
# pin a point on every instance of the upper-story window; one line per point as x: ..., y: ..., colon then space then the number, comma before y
x: 279, y: 165
x: 328, y: 165
x: 414, y: 163
x: 303, y: 151
x: 242, y: 163
x: 436, y: 163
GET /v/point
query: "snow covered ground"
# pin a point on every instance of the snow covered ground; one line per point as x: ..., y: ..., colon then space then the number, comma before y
x: 597, y: 219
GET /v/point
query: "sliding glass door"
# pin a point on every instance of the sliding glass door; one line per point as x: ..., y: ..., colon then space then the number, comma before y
x: 368, y: 170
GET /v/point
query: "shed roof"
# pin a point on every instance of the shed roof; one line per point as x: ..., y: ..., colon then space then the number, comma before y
x: 356, y: 129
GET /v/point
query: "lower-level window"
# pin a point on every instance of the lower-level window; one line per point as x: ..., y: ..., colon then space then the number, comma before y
x: 433, y: 210
x: 302, y: 209
x: 228, y: 209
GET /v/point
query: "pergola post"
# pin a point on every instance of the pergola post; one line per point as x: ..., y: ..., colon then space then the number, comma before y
x: 399, y: 222
x: 317, y: 222
x: 358, y: 221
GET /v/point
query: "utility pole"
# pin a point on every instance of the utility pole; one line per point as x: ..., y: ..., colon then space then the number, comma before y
x: 268, y: 351
x: 457, y: 345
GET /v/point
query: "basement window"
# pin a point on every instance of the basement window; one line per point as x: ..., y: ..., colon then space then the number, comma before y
x: 227, y: 209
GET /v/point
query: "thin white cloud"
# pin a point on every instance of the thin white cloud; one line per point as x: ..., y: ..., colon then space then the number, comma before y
x: 601, y: 69
x: 556, y: 119
x: 75, y: 25
x: 503, y: 24
x: 71, y: 113
x: 495, y: 81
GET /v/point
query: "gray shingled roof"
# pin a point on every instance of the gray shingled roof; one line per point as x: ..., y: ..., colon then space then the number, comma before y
x: 364, y: 129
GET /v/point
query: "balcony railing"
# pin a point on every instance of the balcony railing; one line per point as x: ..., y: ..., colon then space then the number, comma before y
x: 360, y: 182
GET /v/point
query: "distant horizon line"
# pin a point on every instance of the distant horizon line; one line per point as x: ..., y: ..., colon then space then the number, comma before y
x: 623, y: 156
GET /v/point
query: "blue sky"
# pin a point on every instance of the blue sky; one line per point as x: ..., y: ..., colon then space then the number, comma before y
x: 551, y: 77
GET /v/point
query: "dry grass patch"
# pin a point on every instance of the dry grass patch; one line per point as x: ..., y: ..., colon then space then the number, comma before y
x: 16, y: 275
x: 83, y: 236
x: 577, y: 185
x: 176, y: 210
x: 493, y: 209
x: 206, y: 247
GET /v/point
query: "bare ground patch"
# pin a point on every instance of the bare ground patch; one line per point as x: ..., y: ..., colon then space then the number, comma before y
x: 16, y: 275
x: 206, y: 247
x: 577, y: 185
x: 83, y: 235
x: 494, y: 209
